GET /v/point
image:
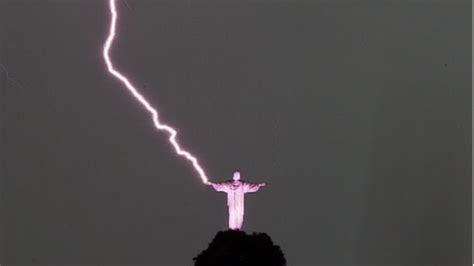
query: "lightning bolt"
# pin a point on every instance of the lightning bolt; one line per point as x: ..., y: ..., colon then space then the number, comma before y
x: 170, y: 131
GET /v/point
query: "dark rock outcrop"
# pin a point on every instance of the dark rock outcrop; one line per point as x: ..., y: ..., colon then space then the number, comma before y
x: 236, y: 248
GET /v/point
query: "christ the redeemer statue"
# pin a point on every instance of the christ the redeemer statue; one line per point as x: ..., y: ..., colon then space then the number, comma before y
x: 235, y: 190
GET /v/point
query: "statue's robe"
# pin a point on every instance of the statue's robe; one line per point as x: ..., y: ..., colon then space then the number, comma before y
x: 235, y: 199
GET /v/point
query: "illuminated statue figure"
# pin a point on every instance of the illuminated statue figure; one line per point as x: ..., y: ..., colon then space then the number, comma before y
x: 235, y: 190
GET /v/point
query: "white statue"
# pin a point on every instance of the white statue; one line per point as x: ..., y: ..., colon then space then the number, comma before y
x: 235, y: 190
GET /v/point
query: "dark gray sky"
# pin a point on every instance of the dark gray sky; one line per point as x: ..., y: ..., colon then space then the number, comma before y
x: 356, y: 114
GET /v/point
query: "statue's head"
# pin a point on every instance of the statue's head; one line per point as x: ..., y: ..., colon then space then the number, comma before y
x: 236, y: 176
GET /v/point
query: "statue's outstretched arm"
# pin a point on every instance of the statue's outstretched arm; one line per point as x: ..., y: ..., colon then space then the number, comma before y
x: 220, y: 187
x: 251, y: 187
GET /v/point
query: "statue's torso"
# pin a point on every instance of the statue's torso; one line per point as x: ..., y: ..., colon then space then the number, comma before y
x: 235, y: 194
